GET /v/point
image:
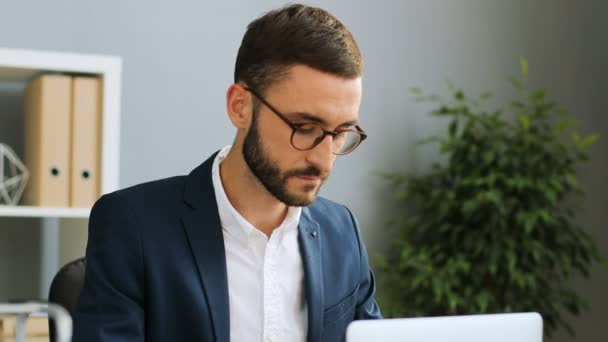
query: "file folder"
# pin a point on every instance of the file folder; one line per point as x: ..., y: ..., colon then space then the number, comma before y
x: 47, y: 140
x: 85, y: 144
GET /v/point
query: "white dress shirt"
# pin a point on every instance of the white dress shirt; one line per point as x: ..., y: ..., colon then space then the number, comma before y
x: 265, y: 275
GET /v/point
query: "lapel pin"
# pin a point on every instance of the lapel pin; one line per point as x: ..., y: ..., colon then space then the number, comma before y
x: 314, y: 233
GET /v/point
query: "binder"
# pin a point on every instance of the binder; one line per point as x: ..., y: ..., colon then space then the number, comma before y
x: 47, y: 140
x: 36, y: 328
x: 85, y: 144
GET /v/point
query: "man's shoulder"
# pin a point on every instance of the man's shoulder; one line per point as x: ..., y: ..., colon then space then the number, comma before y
x: 170, y: 188
x: 152, y: 189
x: 152, y: 198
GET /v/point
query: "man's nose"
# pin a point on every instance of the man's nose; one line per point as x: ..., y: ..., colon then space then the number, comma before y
x: 321, y: 156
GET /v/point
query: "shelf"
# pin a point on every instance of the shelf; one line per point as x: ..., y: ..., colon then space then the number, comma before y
x: 26, y: 211
x: 19, y: 65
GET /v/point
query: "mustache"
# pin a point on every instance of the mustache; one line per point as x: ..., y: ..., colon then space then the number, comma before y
x: 310, y: 171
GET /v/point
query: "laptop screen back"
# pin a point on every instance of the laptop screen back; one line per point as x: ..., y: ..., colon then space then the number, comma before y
x: 517, y: 327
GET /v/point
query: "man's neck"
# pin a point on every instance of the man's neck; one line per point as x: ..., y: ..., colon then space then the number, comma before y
x: 248, y: 196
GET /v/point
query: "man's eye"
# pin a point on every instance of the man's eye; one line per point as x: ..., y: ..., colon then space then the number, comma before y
x: 307, y: 128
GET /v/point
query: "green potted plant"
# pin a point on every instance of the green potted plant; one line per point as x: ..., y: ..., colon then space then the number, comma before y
x: 492, y: 228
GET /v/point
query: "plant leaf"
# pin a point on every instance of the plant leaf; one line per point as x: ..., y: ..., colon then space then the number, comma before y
x: 415, y: 91
x: 517, y: 84
x: 524, y: 121
x: 453, y: 127
x: 539, y: 95
x: 523, y: 64
x: 589, y: 140
x: 485, y: 95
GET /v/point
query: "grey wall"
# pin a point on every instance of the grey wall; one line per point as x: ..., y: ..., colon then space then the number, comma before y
x: 584, y: 87
x: 19, y: 258
x: 179, y: 57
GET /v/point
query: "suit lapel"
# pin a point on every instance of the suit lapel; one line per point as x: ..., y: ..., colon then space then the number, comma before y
x: 204, y: 232
x: 310, y: 247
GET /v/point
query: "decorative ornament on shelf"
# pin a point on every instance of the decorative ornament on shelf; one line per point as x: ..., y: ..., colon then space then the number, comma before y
x: 13, y: 178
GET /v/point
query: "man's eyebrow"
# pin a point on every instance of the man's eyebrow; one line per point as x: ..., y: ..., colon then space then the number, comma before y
x: 314, y: 118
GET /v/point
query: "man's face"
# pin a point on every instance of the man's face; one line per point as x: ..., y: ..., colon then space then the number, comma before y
x: 292, y: 176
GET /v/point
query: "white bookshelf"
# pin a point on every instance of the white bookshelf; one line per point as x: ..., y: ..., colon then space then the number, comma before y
x: 18, y: 66
x: 49, y: 212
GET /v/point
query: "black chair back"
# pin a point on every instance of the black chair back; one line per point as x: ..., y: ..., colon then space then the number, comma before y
x: 65, y: 288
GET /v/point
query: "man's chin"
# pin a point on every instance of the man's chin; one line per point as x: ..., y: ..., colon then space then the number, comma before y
x: 306, y: 197
x: 301, y: 202
x: 301, y: 198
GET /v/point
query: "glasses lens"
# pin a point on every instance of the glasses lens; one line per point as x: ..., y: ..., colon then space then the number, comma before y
x: 307, y: 136
x: 346, y: 141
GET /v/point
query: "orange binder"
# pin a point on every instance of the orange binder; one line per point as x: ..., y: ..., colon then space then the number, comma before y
x: 47, y: 140
x: 86, y: 150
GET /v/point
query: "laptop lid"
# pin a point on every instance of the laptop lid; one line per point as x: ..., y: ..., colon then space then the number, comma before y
x: 513, y: 327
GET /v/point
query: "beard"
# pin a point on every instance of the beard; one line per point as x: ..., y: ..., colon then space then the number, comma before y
x: 271, y: 177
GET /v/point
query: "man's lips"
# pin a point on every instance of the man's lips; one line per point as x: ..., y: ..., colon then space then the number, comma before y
x: 309, y: 178
x: 310, y: 174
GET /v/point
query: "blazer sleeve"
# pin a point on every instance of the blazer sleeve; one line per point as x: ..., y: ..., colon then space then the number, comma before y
x: 367, y: 307
x: 111, y: 303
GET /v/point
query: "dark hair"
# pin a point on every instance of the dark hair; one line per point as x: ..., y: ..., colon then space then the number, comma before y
x: 295, y: 34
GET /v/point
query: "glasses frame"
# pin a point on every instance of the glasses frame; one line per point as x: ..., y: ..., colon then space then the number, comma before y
x: 295, y: 126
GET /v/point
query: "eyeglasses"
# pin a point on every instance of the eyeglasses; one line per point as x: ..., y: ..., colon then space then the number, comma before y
x: 306, y: 136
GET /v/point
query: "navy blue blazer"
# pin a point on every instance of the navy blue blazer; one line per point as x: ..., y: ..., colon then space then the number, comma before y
x: 156, y: 266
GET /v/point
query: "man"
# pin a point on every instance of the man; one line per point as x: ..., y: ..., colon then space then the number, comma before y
x: 242, y: 249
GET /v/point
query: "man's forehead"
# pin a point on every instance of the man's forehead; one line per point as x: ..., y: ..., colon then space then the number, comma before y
x: 311, y: 94
x: 324, y: 113
x: 302, y: 78
x: 323, y: 120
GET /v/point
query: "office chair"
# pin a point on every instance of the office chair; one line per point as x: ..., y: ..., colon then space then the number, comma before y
x: 65, y: 288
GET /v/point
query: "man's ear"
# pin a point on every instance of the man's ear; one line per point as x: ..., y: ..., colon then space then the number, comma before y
x: 239, y: 106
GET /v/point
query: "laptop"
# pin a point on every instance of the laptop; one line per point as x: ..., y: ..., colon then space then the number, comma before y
x: 512, y: 327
